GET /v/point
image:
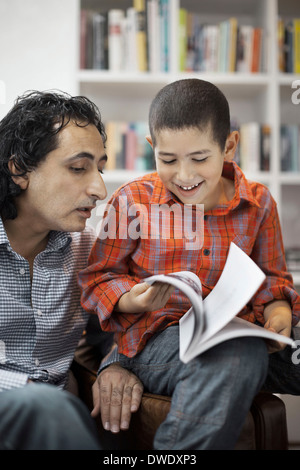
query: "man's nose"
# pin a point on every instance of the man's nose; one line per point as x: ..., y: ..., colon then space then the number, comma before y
x: 97, y: 188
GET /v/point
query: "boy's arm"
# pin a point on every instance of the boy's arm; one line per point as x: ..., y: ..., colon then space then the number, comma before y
x: 276, y: 304
x: 107, y: 276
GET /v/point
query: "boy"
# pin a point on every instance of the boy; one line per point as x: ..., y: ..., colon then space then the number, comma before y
x: 194, y: 149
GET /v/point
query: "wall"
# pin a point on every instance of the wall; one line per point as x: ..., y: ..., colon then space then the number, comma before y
x: 37, y: 50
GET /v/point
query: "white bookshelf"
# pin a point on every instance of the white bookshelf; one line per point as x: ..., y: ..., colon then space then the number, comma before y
x: 263, y: 97
x: 50, y: 60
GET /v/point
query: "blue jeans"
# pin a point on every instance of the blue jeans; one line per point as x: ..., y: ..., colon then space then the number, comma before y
x: 42, y: 417
x: 211, y: 395
x: 284, y: 369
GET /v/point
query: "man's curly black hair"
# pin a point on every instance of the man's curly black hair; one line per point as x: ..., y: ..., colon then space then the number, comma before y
x: 30, y: 131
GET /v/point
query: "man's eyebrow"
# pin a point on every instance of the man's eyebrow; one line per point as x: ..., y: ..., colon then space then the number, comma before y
x: 88, y: 155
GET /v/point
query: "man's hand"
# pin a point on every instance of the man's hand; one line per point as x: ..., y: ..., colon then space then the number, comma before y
x: 278, y: 317
x: 144, y: 297
x: 117, y: 393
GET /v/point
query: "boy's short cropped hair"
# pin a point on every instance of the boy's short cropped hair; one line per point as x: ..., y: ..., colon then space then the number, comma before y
x: 191, y: 103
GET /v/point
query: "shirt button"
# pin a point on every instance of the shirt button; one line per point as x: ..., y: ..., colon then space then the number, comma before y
x: 39, y: 312
x: 37, y: 362
x: 206, y: 252
x: 22, y: 271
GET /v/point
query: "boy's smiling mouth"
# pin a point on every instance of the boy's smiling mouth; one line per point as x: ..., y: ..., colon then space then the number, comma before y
x: 189, y: 188
x: 188, y: 191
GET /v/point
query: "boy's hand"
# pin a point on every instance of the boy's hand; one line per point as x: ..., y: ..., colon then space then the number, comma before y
x: 278, y: 317
x: 144, y: 298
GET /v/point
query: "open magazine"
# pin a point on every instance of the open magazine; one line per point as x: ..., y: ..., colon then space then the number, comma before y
x: 213, y: 320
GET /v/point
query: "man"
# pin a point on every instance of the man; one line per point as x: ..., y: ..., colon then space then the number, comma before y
x: 51, y: 159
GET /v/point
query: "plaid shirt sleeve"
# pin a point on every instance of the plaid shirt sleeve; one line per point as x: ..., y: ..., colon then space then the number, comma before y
x: 106, y: 278
x: 268, y: 253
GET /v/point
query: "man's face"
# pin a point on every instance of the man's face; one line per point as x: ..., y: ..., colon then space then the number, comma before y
x: 61, y: 192
x: 190, y: 164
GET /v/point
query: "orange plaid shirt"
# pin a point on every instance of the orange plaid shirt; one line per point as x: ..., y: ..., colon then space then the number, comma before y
x: 116, y: 264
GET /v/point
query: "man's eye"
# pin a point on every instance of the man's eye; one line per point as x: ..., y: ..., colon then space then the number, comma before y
x: 77, y: 169
x: 168, y: 162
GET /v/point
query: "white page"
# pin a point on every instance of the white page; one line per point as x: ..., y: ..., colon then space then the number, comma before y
x: 237, y: 284
x: 190, y: 284
x: 237, y: 327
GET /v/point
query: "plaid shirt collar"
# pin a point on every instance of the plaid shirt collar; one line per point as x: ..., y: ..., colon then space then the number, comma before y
x: 161, y: 195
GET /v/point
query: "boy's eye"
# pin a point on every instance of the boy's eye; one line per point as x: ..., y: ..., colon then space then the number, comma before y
x: 199, y: 161
x: 168, y: 162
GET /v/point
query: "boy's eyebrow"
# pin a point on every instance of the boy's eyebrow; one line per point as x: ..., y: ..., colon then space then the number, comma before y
x: 200, y: 152
x: 197, y: 152
x: 88, y: 155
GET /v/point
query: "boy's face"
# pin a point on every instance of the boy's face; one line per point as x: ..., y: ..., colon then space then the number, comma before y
x: 190, y: 165
x: 61, y: 192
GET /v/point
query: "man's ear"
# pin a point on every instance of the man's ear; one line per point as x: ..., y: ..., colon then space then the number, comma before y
x: 21, y: 181
x: 231, y: 145
x: 148, y: 138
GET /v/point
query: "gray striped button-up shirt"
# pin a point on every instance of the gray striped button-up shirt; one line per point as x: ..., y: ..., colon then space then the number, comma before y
x: 41, y: 320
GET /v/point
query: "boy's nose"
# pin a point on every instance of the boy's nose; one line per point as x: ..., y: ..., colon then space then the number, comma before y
x: 186, y: 173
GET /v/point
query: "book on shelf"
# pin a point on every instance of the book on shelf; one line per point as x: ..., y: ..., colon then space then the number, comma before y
x: 142, y: 38
x: 254, y: 150
x: 288, y: 37
x: 141, y: 34
x: 213, y: 320
x: 223, y: 47
x: 289, y: 147
x: 134, y: 39
x: 127, y: 147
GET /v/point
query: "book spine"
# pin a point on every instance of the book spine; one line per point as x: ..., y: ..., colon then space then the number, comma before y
x: 115, y: 40
x: 232, y: 44
x: 297, y: 45
x: 83, y: 35
x: 256, y: 50
x: 182, y: 39
x: 141, y: 34
x: 280, y: 36
x: 265, y: 147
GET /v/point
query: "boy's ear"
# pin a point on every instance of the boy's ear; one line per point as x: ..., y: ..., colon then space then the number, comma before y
x: 231, y: 145
x: 148, y: 138
x: 21, y: 181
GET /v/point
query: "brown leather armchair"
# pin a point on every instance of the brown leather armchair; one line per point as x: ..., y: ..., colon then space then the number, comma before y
x: 265, y: 427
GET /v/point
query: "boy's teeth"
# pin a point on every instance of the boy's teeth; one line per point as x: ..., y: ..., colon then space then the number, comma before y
x: 188, y: 188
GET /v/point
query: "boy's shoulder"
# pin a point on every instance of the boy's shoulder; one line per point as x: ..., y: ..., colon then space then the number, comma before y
x: 247, y: 189
x: 261, y: 193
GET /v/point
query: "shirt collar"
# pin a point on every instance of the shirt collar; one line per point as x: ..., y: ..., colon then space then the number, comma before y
x: 57, y: 240
x: 243, y: 191
x: 3, y: 236
x: 231, y: 170
x: 161, y: 195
